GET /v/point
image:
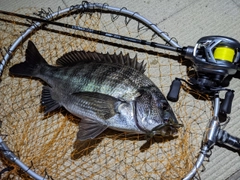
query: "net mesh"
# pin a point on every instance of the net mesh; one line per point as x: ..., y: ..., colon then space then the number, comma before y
x: 48, y: 144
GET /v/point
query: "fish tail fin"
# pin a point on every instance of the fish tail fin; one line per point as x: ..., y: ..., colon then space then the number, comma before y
x: 33, y: 63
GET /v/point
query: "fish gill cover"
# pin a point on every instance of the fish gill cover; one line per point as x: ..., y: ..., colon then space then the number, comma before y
x: 48, y: 143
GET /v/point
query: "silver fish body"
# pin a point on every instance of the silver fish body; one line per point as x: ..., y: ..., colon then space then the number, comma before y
x: 105, y: 91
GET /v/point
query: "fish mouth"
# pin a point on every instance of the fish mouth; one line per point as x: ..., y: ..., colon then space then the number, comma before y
x: 170, y: 125
x: 166, y: 129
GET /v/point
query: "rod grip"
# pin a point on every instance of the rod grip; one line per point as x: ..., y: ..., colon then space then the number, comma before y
x: 231, y: 141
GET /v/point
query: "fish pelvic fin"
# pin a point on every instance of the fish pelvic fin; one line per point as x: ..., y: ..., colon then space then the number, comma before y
x: 31, y: 66
x: 47, y: 101
x: 89, y: 129
x: 74, y: 57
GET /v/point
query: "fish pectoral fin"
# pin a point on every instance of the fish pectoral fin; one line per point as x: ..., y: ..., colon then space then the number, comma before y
x: 104, y: 106
x: 89, y: 129
x: 47, y: 101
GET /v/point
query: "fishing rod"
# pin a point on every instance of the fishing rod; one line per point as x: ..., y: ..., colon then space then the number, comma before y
x: 92, y: 31
x: 224, y: 49
x: 202, y: 56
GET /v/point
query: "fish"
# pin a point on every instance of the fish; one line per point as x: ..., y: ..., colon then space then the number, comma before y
x: 102, y: 90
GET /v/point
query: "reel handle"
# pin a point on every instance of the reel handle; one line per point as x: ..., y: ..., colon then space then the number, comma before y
x: 226, y: 105
x: 173, y: 94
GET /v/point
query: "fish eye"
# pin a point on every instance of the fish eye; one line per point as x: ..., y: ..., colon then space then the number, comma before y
x: 164, y: 106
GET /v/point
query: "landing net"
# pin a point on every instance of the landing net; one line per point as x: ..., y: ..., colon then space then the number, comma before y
x: 47, y: 145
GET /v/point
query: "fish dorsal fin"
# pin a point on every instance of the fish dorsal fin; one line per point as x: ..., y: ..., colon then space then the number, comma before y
x: 74, y: 57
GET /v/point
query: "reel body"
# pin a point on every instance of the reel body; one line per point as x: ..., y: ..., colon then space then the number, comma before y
x: 214, y: 59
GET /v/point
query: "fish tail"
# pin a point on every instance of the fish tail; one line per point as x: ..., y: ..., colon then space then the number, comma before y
x: 33, y: 63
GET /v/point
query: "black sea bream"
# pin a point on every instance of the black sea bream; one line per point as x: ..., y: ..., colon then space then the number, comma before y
x: 105, y: 91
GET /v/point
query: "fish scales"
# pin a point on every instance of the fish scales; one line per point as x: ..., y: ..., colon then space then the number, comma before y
x: 114, y: 80
x: 105, y: 91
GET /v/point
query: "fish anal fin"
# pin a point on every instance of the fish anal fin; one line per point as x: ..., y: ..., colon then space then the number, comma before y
x: 47, y: 101
x: 89, y: 129
x: 74, y: 57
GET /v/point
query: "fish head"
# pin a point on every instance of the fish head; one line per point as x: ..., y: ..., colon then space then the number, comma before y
x: 154, y: 115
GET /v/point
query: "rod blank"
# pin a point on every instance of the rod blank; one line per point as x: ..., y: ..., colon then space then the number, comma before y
x: 101, y: 33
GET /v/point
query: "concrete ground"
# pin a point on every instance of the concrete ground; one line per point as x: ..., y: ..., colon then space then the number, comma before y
x: 187, y: 20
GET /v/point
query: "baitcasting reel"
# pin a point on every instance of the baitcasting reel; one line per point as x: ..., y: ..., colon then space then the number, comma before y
x: 215, y: 59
